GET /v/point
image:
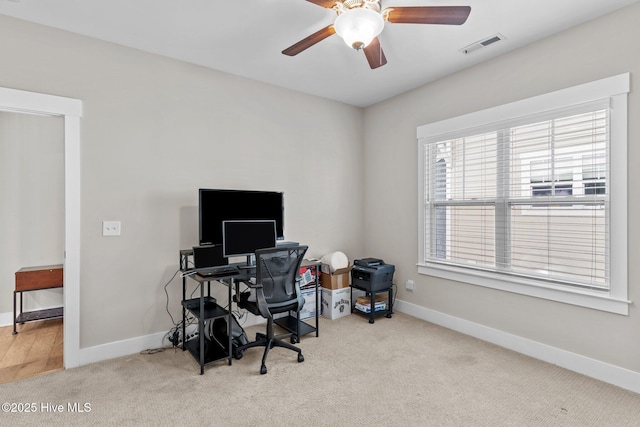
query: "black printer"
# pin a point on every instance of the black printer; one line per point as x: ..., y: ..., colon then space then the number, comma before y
x: 372, y: 274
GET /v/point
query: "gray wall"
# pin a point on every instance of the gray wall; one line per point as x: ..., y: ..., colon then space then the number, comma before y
x: 598, y: 49
x: 154, y: 130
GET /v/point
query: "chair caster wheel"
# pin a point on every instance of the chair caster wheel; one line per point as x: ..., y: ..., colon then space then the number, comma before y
x: 263, y: 370
x: 300, y: 358
x: 389, y: 316
x: 371, y: 320
x: 294, y: 339
x: 238, y: 355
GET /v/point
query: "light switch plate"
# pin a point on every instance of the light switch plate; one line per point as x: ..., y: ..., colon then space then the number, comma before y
x: 110, y: 228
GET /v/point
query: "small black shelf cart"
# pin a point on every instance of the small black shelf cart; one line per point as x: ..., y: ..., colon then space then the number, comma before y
x: 387, y: 312
x: 292, y: 322
x: 204, y: 308
x: 196, y: 347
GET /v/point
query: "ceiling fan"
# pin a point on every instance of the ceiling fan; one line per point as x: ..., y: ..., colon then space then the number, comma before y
x: 359, y: 22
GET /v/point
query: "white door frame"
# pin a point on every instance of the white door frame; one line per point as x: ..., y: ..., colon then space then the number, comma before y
x: 20, y: 101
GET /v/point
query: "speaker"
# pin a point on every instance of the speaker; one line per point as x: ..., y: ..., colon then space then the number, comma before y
x: 208, y: 256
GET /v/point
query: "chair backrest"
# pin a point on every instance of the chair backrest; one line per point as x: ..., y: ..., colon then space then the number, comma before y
x: 278, y: 271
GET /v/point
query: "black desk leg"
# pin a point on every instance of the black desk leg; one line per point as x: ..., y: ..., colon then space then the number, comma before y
x: 316, y: 309
x: 201, y: 328
x: 184, y: 314
x: 229, y: 325
x: 14, y: 311
x: 372, y: 312
x: 390, y: 303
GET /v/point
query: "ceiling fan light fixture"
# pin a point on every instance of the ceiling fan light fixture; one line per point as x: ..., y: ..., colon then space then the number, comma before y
x: 358, y: 26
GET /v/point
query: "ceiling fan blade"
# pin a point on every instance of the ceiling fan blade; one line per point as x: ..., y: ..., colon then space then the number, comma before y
x: 309, y: 41
x: 445, y: 15
x: 374, y: 54
x: 324, y: 3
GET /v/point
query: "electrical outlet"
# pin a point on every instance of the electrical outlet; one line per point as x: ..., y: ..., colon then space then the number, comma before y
x: 110, y: 228
x: 409, y: 285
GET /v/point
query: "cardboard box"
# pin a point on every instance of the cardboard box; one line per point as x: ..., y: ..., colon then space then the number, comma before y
x: 366, y: 308
x: 336, y: 303
x: 339, y: 279
x: 309, y: 309
x: 367, y: 301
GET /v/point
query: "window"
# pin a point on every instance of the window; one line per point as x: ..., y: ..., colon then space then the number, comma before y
x: 530, y: 197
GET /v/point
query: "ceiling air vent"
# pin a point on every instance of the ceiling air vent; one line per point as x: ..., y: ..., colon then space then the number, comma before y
x: 482, y: 43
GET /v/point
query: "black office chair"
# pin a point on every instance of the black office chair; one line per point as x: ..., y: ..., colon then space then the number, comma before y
x: 277, y: 290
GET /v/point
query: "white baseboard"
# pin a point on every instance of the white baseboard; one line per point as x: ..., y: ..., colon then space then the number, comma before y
x: 6, y: 319
x: 621, y: 377
x: 126, y: 347
x: 109, y: 350
x: 129, y: 346
x: 120, y: 348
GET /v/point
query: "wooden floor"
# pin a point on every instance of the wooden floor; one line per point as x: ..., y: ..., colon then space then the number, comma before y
x: 36, y: 349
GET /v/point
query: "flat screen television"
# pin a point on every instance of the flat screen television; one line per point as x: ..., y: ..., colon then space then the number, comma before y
x: 216, y: 206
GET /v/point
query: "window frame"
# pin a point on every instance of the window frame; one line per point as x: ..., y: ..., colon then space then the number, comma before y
x: 615, y: 89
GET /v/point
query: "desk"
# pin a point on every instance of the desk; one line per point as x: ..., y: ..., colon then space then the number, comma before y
x: 34, y: 279
x: 214, y: 311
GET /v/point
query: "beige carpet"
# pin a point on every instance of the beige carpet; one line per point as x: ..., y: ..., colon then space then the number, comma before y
x: 396, y: 372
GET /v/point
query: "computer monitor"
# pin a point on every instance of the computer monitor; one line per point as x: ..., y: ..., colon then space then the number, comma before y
x: 244, y: 237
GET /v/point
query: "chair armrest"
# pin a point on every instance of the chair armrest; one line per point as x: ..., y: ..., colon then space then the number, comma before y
x: 250, y: 284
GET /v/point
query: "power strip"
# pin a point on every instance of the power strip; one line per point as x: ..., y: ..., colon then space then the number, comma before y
x: 175, y: 339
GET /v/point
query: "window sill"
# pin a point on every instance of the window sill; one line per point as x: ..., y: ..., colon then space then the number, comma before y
x: 596, y: 300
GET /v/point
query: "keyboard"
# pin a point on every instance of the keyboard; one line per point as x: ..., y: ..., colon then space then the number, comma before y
x: 218, y: 271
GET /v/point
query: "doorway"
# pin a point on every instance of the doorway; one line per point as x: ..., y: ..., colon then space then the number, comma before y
x: 32, y: 230
x: 70, y: 111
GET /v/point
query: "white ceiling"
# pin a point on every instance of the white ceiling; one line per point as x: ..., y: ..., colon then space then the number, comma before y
x: 246, y: 37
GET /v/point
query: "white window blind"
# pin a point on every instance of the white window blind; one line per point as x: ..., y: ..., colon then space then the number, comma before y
x: 526, y: 198
x: 530, y: 197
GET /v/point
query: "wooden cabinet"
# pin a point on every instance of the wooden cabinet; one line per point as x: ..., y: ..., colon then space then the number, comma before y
x: 34, y: 278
